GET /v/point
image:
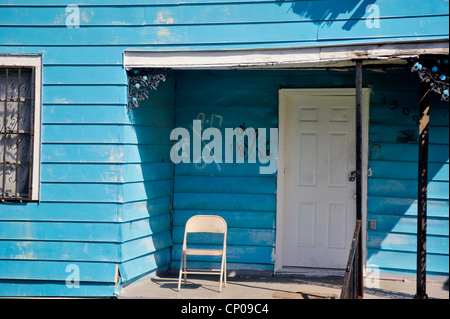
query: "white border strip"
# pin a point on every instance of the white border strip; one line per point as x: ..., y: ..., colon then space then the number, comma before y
x: 283, y: 58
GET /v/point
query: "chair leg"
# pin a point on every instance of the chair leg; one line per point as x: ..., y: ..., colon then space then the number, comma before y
x: 225, y: 270
x: 181, y: 272
x: 185, y: 270
x: 222, y: 274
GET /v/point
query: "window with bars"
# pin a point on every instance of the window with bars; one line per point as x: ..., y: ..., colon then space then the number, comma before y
x: 17, y: 121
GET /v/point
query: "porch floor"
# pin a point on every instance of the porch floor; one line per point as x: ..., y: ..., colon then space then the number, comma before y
x: 286, y: 286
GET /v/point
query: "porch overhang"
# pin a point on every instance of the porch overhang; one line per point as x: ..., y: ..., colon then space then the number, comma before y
x: 373, y: 54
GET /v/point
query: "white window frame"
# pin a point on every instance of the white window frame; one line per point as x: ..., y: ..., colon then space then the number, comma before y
x: 35, y: 62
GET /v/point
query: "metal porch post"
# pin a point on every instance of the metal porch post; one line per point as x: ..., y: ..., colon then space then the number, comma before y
x: 359, y: 71
x: 422, y: 192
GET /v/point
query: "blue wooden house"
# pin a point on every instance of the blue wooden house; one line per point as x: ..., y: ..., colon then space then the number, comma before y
x: 95, y: 192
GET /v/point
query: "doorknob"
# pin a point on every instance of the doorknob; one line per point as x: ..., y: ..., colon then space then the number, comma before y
x: 352, y: 176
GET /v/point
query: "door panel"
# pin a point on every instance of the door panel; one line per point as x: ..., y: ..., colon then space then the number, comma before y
x: 319, y: 206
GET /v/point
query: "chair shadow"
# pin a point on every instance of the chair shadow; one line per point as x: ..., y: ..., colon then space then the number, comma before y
x: 172, y: 284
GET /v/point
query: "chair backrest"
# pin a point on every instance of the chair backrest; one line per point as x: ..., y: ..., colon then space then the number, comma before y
x: 206, y: 224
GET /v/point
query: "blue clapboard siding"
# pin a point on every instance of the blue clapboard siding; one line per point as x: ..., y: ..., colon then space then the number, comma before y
x: 148, y: 183
x: 218, y: 12
x: 216, y: 24
x: 212, y: 22
x: 105, y: 176
x: 393, y: 159
x: 237, y: 192
x: 75, y: 224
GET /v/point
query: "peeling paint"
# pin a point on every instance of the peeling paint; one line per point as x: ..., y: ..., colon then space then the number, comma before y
x: 163, y: 32
x: 24, y: 253
x: 60, y: 101
x: 85, y: 17
x: 120, y: 22
x: 162, y: 18
x: 60, y: 19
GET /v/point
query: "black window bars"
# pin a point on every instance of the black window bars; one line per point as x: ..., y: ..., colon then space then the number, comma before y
x: 16, y: 132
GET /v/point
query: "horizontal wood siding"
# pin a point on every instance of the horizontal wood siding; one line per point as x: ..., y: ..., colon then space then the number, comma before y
x: 393, y: 160
x: 147, y: 189
x: 73, y: 230
x: 104, y: 175
x: 216, y: 24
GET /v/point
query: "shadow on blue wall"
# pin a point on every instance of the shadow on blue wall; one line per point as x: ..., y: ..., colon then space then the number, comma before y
x: 324, y: 13
x: 149, y: 181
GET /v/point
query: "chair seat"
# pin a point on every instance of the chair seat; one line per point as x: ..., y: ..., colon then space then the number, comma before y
x: 203, y: 252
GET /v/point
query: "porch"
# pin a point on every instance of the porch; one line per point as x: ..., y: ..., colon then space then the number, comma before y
x: 169, y: 194
x: 300, y: 286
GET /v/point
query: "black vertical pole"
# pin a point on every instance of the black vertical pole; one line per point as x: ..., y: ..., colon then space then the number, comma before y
x: 359, y: 71
x: 422, y: 192
x: 358, y: 139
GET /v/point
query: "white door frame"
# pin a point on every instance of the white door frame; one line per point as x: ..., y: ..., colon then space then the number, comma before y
x: 283, y: 93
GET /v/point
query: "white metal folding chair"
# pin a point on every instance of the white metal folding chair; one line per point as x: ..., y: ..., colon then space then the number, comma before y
x: 205, y: 224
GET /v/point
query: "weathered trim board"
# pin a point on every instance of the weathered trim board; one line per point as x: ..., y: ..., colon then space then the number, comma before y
x: 328, y: 56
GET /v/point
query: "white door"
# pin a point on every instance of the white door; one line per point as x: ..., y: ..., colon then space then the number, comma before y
x: 319, y: 196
